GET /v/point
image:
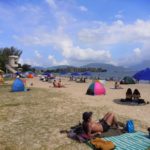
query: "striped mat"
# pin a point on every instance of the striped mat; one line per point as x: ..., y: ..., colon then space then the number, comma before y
x: 130, y: 141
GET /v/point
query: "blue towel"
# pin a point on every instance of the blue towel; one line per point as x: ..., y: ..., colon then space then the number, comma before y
x: 130, y: 141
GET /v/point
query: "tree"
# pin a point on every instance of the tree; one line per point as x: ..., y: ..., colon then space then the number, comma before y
x: 26, y: 67
x: 5, y: 53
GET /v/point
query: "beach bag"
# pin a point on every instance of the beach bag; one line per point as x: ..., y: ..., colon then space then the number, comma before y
x: 130, y: 126
x: 103, y: 145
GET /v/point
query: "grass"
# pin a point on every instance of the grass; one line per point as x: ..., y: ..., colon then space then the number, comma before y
x: 33, y: 120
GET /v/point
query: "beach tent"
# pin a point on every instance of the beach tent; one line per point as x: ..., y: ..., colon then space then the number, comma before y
x: 96, y: 88
x: 18, y: 85
x: 63, y: 73
x: 75, y: 74
x: 87, y: 73
x: 143, y: 75
x: 48, y: 74
x: 127, y: 80
x: 30, y: 75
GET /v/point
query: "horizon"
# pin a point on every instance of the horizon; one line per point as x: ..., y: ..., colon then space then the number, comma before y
x: 56, y: 32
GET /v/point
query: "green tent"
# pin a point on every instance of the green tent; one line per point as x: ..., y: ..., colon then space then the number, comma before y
x: 127, y: 80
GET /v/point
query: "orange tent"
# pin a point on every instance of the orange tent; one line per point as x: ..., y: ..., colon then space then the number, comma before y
x: 30, y: 76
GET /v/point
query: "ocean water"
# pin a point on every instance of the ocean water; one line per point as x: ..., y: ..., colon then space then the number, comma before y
x: 115, y: 75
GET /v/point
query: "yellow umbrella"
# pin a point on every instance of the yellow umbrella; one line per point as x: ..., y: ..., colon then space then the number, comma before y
x: 1, y: 71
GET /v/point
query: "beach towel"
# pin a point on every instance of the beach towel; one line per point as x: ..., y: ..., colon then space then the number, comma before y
x: 77, y: 133
x: 99, y: 143
x: 131, y: 141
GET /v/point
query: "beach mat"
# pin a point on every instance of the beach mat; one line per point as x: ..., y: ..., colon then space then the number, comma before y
x: 131, y: 141
x: 118, y: 101
x: 112, y: 132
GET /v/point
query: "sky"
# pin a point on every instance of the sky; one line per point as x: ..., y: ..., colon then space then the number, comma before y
x: 77, y: 32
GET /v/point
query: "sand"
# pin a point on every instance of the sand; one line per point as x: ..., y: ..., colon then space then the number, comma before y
x: 77, y: 92
x: 33, y: 120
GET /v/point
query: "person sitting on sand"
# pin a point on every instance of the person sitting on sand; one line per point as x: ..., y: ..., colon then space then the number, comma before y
x: 117, y: 85
x: 136, y: 97
x: 129, y: 95
x: 60, y: 84
x: 136, y: 94
x: 92, y: 128
x: 55, y: 83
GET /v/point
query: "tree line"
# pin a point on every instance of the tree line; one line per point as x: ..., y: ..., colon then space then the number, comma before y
x: 76, y: 69
x: 4, y: 58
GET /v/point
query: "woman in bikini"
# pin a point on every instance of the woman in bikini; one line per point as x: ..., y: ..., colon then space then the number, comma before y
x: 92, y: 128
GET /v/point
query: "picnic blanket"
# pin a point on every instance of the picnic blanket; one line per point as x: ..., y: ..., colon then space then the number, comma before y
x: 130, y: 141
x: 77, y: 133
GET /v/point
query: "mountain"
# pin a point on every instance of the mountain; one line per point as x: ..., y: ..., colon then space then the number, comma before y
x: 39, y: 68
x: 112, y: 70
x: 108, y: 67
x: 142, y: 65
x: 59, y: 67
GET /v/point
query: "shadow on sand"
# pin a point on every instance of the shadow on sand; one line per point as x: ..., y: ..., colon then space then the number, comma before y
x: 117, y: 101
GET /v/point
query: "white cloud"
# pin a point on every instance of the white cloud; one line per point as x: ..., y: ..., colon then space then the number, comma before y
x: 137, y: 52
x: 52, y: 3
x: 94, y: 41
x: 54, y: 62
x: 119, y: 15
x: 29, y: 61
x: 37, y: 54
x: 83, y: 8
x: 117, y: 32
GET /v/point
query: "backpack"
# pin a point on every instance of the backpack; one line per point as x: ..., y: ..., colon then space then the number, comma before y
x: 130, y: 126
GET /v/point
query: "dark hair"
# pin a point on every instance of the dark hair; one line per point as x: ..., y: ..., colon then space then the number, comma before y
x: 86, y: 116
x: 136, y: 91
x: 85, y: 127
x: 129, y: 91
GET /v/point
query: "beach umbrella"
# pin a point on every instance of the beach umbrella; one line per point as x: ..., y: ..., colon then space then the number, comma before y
x: 143, y: 75
x: 96, y: 88
x: 75, y: 74
x: 63, y: 73
x: 18, y: 73
x: 47, y: 74
x: 86, y: 73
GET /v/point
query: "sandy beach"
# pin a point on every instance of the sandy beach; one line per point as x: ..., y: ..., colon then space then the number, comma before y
x: 77, y: 92
x: 33, y: 120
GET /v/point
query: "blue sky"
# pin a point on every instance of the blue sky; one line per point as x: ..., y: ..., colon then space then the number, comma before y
x: 77, y: 32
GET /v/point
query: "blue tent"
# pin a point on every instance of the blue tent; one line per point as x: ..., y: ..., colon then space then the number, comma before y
x: 18, y: 86
x: 86, y: 73
x: 143, y: 75
x: 75, y: 74
x: 63, y: 73
x: 48, y: 74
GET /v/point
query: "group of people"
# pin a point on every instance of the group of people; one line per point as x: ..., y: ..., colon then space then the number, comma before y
x: 58, y: 84
x: 134, y: 96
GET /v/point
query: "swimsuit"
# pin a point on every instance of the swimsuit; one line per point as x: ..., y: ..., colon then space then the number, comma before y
x: 105, y: 125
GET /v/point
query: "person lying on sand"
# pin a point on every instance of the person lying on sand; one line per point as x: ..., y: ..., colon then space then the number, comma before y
x: 92, y: 127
